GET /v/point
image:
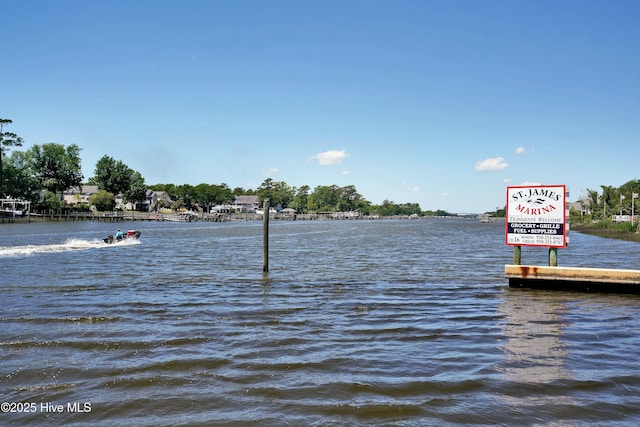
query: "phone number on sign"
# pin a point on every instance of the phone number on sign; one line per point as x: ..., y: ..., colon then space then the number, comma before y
x: 32, y: 407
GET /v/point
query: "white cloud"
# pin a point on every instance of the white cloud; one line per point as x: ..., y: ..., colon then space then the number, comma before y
x: 331, y: 157
x: 492, y: 164
x: 445, y: 194
x: 521, y: 150
x: 507, y: 180
x: 344, y: 173
x: 270, y: 172
x: 412, y: 188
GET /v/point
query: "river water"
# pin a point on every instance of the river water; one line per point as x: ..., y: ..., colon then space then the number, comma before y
x: 391, y: 323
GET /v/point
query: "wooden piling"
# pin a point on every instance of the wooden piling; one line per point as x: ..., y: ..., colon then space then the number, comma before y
x: 517, y: 255
x: 265, y: 237
x: 553, y: 257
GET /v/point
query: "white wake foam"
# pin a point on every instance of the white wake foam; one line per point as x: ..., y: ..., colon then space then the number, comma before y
x: 69, y: 245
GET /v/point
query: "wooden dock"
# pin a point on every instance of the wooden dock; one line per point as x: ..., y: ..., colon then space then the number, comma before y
x: 117, y: 216
x: 573, y: 278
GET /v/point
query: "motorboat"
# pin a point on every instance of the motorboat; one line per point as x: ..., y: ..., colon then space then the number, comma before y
x: 119, y: 237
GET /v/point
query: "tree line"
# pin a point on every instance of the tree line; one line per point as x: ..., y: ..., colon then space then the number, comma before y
x: 52, y: 168
x: 42, y: 173
x: 623, y: 200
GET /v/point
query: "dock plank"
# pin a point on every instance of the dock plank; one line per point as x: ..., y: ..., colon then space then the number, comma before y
x: 601, y: 279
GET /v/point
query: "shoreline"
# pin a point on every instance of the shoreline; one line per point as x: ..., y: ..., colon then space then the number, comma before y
x: 606, y: 232
x: 207, y: 217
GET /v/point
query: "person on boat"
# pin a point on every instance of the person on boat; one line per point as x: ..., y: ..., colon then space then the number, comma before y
x: 119, y: 235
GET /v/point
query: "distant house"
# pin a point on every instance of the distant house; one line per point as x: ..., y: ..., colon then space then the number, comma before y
x: 581, y: 207
x: 79, y: 195
x: 246, y: 204
x: 157, y: 199
x: 288, y: 212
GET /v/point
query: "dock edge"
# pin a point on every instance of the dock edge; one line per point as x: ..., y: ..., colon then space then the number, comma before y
x: 573, y: 278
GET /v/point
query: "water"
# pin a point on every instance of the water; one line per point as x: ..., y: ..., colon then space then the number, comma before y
x: 394, y: 323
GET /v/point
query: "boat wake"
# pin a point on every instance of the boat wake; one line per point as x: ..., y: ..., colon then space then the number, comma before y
x: 69, y: 245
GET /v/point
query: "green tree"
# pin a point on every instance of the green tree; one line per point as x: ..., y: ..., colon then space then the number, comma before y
x: 440, y: 212
x: 608, y: 200
x: 7, y: 139
x: 324, y: 198
x: 265, y: 191
x: 300, y: 199
x: 103, y: 200
x: 349, y: 199
x: 409, y: 209
x: 387, y: 208
x: 239, y: 191
x: 112, y: 175
x: 207, y: 195
x: 177, y: 204
x: 52, y: 201
x: 278, y: 192
x: 20, y: 182
x: 55, y: 167
x: 136, y: 193
x: 592, y: 201
x: 115, y: 177
x: 629, y: 187
x: 627, y: 190
x: 499, y: 212
x: 185, y: 196
x: 167, y: 188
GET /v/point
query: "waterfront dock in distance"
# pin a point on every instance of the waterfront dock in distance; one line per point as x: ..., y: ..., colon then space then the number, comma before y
x: 573, y: 278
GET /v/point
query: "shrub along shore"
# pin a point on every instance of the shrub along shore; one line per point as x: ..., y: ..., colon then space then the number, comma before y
x: 609, y: 230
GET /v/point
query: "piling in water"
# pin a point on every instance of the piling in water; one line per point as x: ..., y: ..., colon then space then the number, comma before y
x: 265, y: 237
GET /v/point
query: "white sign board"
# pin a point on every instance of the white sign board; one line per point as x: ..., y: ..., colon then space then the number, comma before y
x: 621, y: 218
x: 536, y: 216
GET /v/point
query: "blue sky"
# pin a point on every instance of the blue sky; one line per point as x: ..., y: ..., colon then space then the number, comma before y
x: 438, y: 102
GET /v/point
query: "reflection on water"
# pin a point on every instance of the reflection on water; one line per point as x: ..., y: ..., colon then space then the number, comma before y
x: 534, y: 349
x: 533, y: 328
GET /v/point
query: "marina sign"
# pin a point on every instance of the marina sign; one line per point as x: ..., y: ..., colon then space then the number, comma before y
x: 536, y: 216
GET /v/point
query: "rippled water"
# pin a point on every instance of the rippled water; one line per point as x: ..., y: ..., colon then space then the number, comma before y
x: 395, y: 323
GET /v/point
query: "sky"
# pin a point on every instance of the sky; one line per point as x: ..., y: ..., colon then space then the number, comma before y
x: 444, y: 103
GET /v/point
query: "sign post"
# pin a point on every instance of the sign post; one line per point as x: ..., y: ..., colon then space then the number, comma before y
x: 536, y: 216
